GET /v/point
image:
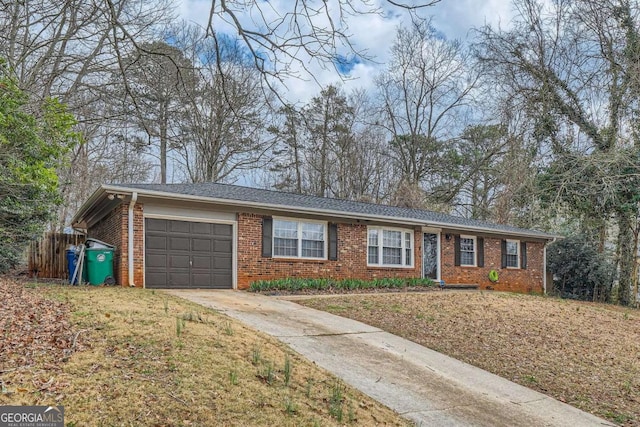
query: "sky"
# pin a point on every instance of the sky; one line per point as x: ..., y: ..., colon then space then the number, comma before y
x: 453, y: 18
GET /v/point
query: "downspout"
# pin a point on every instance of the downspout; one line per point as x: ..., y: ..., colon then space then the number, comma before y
x: 544, y: 265
x: 544, y: 268
x: 132, y: 203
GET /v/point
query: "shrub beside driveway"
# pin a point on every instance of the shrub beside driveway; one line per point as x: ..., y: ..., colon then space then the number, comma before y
x: 584, y: 354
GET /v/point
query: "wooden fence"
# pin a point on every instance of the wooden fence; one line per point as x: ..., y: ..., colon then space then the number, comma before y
x: 48, y: 257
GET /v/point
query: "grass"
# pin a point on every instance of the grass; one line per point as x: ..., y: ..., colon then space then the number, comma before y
x: 336, y: 401
x: 131, y: 366
x: 287, y: 370
x: 290, y: 407
x: 584, y: 354
x: 256, y: 356
x: 293, y: 284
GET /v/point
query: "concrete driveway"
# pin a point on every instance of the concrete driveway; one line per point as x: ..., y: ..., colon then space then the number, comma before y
x: 422, y: 385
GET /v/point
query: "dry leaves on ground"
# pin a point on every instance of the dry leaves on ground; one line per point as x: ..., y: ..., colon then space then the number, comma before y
x: 585, y: 354
x: 36, y: 338
x: 34, y: 329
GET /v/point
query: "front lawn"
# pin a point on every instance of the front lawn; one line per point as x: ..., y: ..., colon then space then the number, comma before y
x: 584, y: 354
x: 120, y: 356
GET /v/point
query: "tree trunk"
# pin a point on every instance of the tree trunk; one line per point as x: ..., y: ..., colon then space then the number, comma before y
x: 163, y: 143
x: 627, y: 257
x: 634, y: 297
x: 298, y: 163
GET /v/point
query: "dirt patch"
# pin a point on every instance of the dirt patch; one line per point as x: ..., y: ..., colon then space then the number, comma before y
x: 146, y: 358
x: 584, y: 354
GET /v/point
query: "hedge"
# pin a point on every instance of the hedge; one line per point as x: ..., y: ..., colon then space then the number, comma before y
x: 293, y: 284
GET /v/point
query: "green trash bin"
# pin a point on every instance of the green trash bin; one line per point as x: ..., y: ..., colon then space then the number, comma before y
x: 100, y: 266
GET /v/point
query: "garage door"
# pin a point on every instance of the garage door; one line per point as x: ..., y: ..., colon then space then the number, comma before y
x: 184, y: 254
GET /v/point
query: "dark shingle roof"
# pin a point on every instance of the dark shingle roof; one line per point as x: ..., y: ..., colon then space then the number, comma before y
x: 278, y: 198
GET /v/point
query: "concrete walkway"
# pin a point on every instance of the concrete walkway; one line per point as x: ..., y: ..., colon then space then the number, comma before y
x: 420, y: 384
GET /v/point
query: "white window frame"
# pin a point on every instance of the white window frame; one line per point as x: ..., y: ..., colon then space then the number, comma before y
x: 475, y: 251
x: 403, y: 249
x: 517, y: 242
x: 300, y: 222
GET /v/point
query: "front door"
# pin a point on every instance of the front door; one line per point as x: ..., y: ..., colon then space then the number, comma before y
x: 430, y: 256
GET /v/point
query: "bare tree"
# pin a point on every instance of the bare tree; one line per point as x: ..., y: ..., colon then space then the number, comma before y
x: 285, y: 42
x: 370, y: 174
x: 329, y: 148
x: 474, y: 170
x: 225, y: 114
x: 327, y: 119
x: 427, y: 84
x: 288, y: 153
x: 157, y: 77
x: 65, y: 48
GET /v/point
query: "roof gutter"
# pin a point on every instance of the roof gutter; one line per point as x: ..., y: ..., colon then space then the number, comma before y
x: 399, y: 220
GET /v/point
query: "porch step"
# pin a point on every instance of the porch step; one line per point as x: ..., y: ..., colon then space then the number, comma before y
x: 461, y: 286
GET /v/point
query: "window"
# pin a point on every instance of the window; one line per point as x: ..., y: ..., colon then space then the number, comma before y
x: 512, y: 255
x: 297, y: 239
x: 468, y: 251
x: 312, y: 240
x: 408, y: 252
x: 285, y: 238
x: 389, y: 247
x: 372, y: 256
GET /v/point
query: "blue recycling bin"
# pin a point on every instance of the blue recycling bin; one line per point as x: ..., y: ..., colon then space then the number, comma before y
x: 73, y: 257
x: 72, y: 263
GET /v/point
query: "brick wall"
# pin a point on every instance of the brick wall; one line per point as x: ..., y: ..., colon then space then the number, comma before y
x: 113, y: 229
x: 110, y: 230
x: 511, y: 280
x: 351, y: 263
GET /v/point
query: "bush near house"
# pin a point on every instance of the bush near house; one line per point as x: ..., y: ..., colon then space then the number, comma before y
x: 293, y: 284
x: 32, y: 146
x: 579, y: 270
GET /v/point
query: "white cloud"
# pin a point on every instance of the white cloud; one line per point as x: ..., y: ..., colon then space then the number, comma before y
x: 371, y: 33
x: 455, y: 18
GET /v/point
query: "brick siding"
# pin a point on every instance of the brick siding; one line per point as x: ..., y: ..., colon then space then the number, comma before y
x: 509, y: 279
x: 114, y: 229
x: 351, y: 262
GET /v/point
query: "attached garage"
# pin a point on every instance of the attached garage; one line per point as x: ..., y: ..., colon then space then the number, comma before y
x: 188, y: 254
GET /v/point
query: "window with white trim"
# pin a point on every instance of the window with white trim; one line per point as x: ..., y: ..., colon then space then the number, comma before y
x: 299, y: 239
x: 389, y: 247
x: 513, y: 254
x: 372, y: 251
x: 468, y: 251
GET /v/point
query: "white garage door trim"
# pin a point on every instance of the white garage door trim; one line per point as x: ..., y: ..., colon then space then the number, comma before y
x: 234, y: 251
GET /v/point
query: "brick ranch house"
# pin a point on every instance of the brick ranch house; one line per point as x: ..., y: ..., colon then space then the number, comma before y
x: 225, y: 236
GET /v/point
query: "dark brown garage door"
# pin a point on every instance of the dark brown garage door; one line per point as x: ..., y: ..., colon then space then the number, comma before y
x: 183, y: 254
